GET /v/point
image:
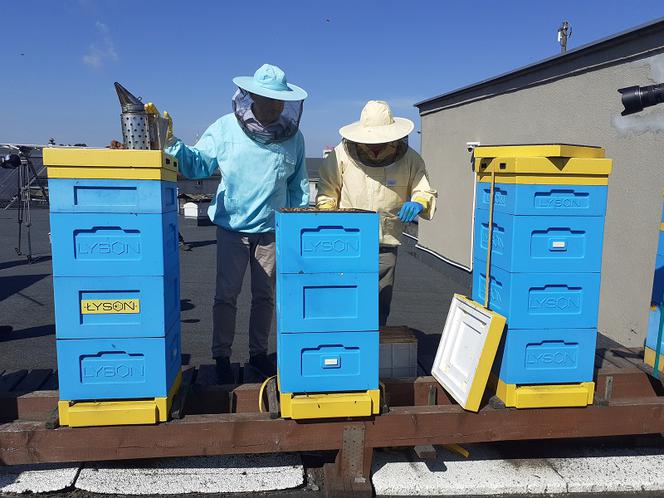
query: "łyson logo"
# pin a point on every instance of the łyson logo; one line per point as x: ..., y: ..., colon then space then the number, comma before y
x: 550, y: 359
x: 499, y: 199
x: 110, y: 306
x: 113, y: 371
x: 114, y: 248
x: 561, y: 202
x: 555, y: 303
x: 331, y: 246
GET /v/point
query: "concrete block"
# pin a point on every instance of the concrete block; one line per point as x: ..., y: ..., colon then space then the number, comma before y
x: 398, y: 353
x: 484, y: 473
x: 618, y: 470
x: 571, y: 470
x: 44, y: 478
x: 175, y: 476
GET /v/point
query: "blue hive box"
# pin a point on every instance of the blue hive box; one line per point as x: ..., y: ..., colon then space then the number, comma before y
x: 332, y: 362
x: 541, y: 243
x: 101, y: 369
x: 547, y: 356
x: 111, y: 196
x: 327, y: 242
x: 653, y: 328
x: 113, y: 244
x: 549, y: 200
x: 122, y: 307
x: 540, y: 300
x: 327, y: 302
x: 660, y: 244
x: 658, y: 280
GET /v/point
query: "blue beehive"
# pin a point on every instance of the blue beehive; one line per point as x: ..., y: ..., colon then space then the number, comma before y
x: 328, y: 362
x: 653, y: 328
x: 658, y: 280
x: 327, y: 242
x: 92, y: 195
x: 113, y: 244
x: 120, y: 368
x: 546, y: 255
x: 540, y: 300
x: 106, y: 307
x: 546, y: 356
x: 522, y: 244
x: 327, y: 301
x: 543, y: 200
x: 116, y: 273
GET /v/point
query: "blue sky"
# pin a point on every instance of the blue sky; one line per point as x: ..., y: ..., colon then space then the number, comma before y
x: 60, y: 58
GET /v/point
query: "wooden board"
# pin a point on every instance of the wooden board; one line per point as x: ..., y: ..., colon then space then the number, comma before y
x: 31, y: 442
x: 421, y: 413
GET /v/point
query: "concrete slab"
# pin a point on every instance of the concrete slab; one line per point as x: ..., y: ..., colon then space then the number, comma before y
x: 486, y: 472
x: 483, y: 473
x: 615, y: 470
x: 230, y: 474
x: 45, y: 478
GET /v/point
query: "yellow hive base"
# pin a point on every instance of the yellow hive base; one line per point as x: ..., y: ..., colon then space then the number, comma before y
x: 546, y: 396
x: 332, y: 405
x: 649, y: 359
x: 128, y: 412
x: 110, y: 164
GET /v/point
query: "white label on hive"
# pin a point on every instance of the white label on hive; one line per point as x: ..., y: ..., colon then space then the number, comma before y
x: 331, y: 362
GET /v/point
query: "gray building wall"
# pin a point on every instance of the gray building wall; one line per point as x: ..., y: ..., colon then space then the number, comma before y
x: 582, y: 107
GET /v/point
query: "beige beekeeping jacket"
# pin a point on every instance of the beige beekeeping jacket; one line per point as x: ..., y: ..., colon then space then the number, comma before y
x: 345, y: 183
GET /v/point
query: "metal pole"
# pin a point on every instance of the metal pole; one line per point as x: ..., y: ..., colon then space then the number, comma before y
x: 564, y: 32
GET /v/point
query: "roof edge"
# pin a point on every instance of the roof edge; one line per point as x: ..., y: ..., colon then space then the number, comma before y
x: 657, y: 24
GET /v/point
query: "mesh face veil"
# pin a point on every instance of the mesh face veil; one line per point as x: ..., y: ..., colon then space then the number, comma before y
x: 390, y: 153
x: 283, y: 128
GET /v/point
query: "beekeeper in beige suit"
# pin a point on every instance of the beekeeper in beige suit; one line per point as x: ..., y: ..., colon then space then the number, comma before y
x: 373, y: 168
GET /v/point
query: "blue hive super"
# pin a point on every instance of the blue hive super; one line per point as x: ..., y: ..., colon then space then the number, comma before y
x: 114, y: 236
x: 327, y: 313
x: 549, y: 204
x: 653, y: 350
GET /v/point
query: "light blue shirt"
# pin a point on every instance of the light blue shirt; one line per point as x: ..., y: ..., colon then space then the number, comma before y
x: 256, y: 179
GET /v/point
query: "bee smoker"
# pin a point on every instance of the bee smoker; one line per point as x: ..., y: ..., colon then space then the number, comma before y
x: 140, y: 130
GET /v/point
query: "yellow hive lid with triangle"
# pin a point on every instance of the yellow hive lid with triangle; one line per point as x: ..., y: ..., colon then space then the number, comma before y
x: 566, y: 164
x: 117, y: 164
x: 539, y: 150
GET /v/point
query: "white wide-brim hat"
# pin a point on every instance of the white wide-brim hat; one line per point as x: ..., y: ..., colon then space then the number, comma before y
x: 270, y: 81
x: 377, y: 125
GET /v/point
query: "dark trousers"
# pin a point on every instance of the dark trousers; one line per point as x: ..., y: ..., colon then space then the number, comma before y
x: 236, y: 251
x: 387, y: 260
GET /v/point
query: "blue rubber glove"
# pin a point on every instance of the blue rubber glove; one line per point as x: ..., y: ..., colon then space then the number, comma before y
x: 409, y: 211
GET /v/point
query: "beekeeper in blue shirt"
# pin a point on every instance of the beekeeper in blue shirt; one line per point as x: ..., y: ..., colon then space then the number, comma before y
x: 259, y: 152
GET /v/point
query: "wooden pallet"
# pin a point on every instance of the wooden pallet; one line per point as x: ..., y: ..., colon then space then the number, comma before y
x: 219, y: 420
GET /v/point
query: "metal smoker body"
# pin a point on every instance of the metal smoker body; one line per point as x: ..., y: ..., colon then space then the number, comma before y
x: 140, y: 130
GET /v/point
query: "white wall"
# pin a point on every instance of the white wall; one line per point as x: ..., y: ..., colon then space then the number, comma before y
x: 582, y: 109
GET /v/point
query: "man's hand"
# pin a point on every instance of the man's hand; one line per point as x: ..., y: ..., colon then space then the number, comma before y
x: 326, y: 205
x: 409, y: 211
